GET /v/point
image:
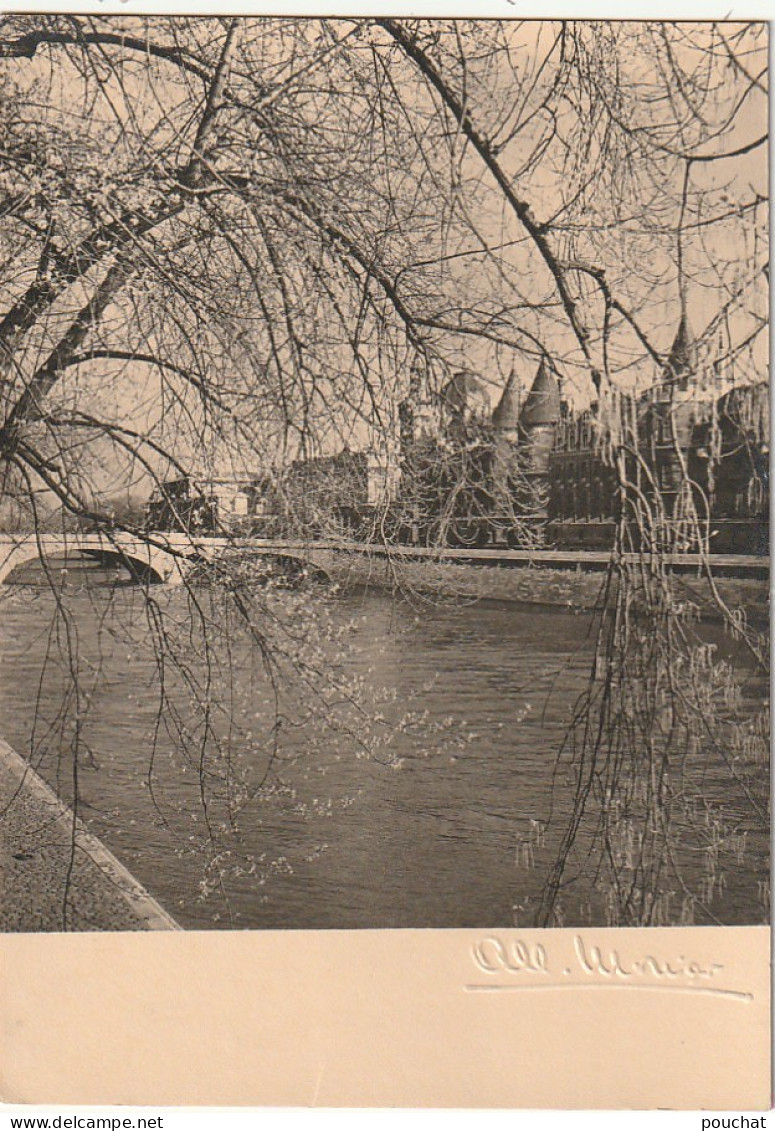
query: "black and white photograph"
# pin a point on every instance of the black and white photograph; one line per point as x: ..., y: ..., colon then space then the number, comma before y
x: 384, y: 473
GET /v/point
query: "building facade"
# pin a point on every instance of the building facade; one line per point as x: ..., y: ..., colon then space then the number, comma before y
x: 695, y: 464
x: 679, y: 468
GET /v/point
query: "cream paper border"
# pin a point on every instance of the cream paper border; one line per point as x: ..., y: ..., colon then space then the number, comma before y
x: 389, y: 1018
x: 385, y: 1018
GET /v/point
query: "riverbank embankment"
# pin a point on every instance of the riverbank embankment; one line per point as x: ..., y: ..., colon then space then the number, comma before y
x: 574, y: 590
x: 56, y: 876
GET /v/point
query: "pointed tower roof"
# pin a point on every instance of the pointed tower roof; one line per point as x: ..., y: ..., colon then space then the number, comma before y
x: 465, y: 393
x: 543, y: 401
x: 682, y: 359
x: 506, y: 415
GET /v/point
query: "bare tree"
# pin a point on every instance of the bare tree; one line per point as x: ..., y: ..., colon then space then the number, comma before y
x: 636, y: 167
x: 236, y: 241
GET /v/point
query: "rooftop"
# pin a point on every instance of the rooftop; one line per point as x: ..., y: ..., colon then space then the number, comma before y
x: 543, y: 401
x: 506, y: 415
x: 465, y: 393
x: 682, y: 359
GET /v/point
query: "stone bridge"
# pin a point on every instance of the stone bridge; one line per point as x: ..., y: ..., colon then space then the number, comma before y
x: 169, y: 557
x: 156, y: 558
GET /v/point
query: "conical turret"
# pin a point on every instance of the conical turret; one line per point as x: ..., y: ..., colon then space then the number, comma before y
x: 682, y: 359
x: 538, y: 422
x: 505, y: 419
x: 505, y: 434
x: 542, y: 406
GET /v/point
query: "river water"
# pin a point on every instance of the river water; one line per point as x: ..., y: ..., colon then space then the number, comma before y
x: 397, y: 773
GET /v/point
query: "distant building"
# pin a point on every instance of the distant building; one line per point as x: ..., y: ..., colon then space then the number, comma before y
x: 740, y: 489
x: 532, y: 472
x: 203, y: 505
x: 330, y: 494
x: 583, y: 488
x: 700, y: 478
x: 465, y: 406
x: 506, y: 439
x: 483, y: 475
x: 537, y: 427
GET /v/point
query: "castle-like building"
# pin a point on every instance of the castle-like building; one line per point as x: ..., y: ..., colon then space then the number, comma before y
x: 686, y: 467
x: 693, y: 465
x: 469, y: 475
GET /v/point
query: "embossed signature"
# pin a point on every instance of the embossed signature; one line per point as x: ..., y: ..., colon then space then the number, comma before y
x: 529, y: 965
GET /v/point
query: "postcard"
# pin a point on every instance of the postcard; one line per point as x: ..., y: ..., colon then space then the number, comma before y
x: 384, y: 549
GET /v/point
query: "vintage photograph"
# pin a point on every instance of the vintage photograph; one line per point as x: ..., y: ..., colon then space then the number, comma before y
x: 384, y: 473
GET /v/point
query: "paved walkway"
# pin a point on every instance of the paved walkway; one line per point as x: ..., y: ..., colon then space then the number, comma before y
x: 57, y: 878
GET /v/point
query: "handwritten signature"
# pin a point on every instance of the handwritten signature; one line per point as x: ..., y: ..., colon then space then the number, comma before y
x: 529, y: 965
x: 493, y: 955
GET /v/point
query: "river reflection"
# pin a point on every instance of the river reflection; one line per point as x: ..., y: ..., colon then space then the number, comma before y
x: 424, y: 833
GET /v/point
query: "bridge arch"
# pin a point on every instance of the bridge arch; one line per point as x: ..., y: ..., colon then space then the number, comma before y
x: 143, y: 572
x: 13, y: 556
x: 261, y: 565
x: 144, y: 563
x: 167, y: 558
